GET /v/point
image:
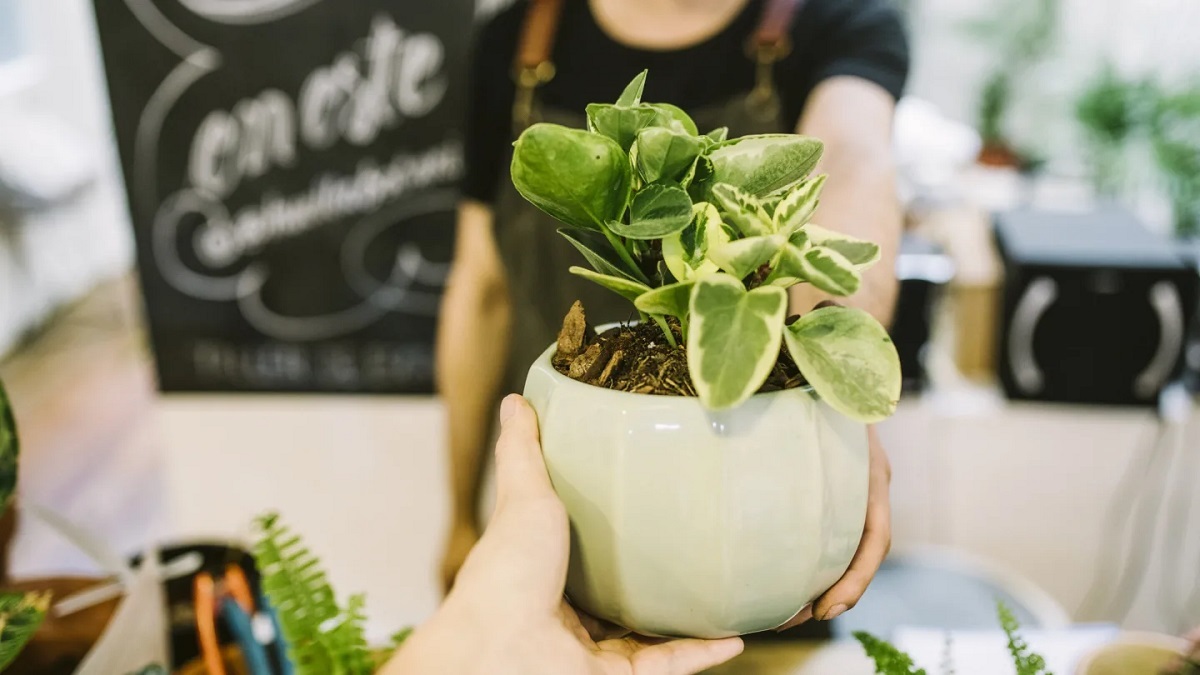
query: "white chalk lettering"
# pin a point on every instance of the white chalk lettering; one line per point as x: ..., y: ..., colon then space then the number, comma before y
x: 397, y: 76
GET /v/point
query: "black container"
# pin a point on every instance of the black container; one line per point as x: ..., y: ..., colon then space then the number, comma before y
x: 1096, y: 308
x: 923, y: 270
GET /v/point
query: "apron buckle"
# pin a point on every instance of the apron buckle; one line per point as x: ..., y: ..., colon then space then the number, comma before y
x: 528, y: 79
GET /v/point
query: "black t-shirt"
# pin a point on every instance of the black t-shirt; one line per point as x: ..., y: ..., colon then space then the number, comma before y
x: 864, y: 38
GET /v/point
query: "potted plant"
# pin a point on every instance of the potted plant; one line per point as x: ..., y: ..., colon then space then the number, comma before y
x: 1175, y: 136
x: 1021, y: 34
x: 713, y: 456
x: 1109, y: 111
x: 21, y: 612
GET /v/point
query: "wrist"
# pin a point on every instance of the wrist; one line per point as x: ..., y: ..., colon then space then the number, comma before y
x: 452, y: 642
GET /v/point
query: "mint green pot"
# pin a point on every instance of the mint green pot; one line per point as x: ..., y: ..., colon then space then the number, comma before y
x: 691, y: 523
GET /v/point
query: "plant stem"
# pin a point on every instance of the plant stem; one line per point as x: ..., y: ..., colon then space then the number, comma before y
x: 666, y: 329
x: 683, y: 328
x: 619, y: 247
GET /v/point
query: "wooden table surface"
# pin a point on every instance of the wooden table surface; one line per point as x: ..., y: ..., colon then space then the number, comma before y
x: 798, y: 658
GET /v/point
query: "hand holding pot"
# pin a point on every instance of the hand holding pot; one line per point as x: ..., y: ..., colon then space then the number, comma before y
x: 506, y: 613
x: 872, y: 549
x: 1192, y: 658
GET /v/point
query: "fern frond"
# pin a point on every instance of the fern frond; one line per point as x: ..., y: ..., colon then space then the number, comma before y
x: 1027, y: 662
x: 21, y: 615
x: 888, y: 659
x: 322, y: 639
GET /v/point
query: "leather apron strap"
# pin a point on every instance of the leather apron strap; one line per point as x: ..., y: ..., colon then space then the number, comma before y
x: 534, y: 65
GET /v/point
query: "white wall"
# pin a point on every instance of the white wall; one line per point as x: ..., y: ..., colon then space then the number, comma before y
x: 52, y: 257
x: 1146, y: 37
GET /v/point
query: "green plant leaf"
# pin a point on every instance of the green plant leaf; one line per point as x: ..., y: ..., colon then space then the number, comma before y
x: 734, y: 338
x: 685, y: 252
x: 858, y: 252
x: 579, y: 178
x: 631, y: 290
x: 664, y: 154
x: 795, y: 210
x: 633, y: 91
x: 741, y: 257
x: 762, y: 165
x: 10, y: 451
x: 718, y: 135
x: 1026, y: 661
x: 598, y: 252
x: 888, y: 659
x: 829, y: 271
x: 321, y: 636
x: 620, y: 123
x: 787, y: 269
x: 669, y: 300
x: 673, y: 117
x: 664, y: 274
x: 848, y: 358
x: 21, y: 614
x: 657, y: 211
x: 799, y: 239
x: 743, y: 210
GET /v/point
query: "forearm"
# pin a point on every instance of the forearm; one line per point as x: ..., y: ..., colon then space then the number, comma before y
x: 853, y: 118
x: 472, y: 351
x: 859, y: 200
x: 473, y: 341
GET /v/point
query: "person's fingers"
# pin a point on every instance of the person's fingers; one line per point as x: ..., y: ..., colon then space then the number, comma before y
x: 803, y: 616
x: 872, y: 549
x: 520, y: 469
x: 671, y: 657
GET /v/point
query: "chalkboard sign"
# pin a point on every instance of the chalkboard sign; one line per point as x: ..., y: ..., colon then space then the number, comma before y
x: 290, y: 167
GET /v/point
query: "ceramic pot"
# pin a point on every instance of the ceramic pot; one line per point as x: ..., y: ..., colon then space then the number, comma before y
x: 1133, y: 654
x: 690, y: 523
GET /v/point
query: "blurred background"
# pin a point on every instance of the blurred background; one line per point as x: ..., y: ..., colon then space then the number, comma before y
x: 1046, y: 448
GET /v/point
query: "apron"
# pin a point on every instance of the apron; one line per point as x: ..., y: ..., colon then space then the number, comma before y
x: 536, y: 257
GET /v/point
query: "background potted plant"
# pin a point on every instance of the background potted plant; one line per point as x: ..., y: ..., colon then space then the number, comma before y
x: 713, y: 457
x: 1022, y: 34
x: 21, y: 613
x: 1110, y: 111
x: 1175, y: 137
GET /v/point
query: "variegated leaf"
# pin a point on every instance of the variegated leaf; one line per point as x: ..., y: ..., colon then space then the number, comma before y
x: 685, y: 253
x: 741, y: 257
x: 848, y: 358
x: 670, y: 300
x: 787, y: 269
x: 829, y: 271
x: 762, y: 165
x: 859, y: 252
x: 631, y: 290
x: 734, y: 338
x: 743, y: 210
x: 798, y: 206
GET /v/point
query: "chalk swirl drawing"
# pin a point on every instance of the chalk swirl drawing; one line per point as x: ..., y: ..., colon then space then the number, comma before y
x: 400, y: 292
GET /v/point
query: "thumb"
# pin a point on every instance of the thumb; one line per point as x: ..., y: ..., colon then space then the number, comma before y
x: 520, y: 469
x: 686, y: 657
